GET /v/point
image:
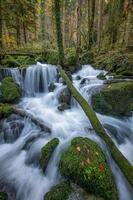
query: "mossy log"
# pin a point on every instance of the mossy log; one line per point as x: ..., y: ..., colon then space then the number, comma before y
x: 38, y: 122
x: 119, y: 158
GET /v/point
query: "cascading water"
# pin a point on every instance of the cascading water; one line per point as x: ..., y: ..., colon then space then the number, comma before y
x: 19, y: 159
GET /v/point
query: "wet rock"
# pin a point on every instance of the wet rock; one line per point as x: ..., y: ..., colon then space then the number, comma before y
x: 46, y: 153
x: 64, y: 96
x: 51, y: 87
x: 84, y: 81
x: 114, y: 99
x: 59, y: 192
x: 63, y: 106
x: 12, y: 128
x: 101, y: 76
x: 78, y: 77
x: 85, y: 164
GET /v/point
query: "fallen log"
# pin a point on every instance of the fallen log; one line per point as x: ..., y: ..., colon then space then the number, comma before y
x: 119, y: 158
x: 38, y: 122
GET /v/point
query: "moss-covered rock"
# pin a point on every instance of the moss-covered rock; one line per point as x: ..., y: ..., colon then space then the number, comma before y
x: 3, y: 196
x: 101, y: 76
x: 10, y: 91
x: 5, y: 110
x: 46, y: 153
x: 85, y: 164
x: 114, y: 99
x: 59, y: 192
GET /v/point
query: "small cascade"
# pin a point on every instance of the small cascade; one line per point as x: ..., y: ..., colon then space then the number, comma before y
x: 13, y: 72
x: 38, y: 77
x: 21, y: 140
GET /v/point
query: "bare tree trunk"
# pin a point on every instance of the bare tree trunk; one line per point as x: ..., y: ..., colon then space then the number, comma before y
x: 99, y: 23
x: 43, y: 23
x: 66, y: 24
x: 92, y: 23
x: 18, y: 32
x: 78, y: 28
x: 1, y: 45
x: 59, y: 32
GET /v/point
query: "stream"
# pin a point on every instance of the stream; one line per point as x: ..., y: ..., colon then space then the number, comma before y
x: 19, y: 167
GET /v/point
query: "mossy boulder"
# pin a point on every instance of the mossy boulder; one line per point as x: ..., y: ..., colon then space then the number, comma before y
x: 101, y: 76
x: 114, y: 99
x: 5, y: 110
x: 85, y: 164
x: 59, y: 192
x: 3, y: 196
x: 46, y: 153
x: 10, y: 91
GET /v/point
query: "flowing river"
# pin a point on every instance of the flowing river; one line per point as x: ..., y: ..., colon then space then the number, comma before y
x: 19, y: 168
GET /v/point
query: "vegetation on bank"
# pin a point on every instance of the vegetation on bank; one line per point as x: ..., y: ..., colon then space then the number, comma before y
x: 114, y: 99
x: 85, y: 164
x: 10, y: 92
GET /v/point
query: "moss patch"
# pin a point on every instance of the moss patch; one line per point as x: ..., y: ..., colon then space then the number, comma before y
x: 85, y: 164
x: 9, y: 90
x: 5, y: 110
x: 114, y: 99
x: 59, y: 192
x: 46, y: 152
x: 3, y: 196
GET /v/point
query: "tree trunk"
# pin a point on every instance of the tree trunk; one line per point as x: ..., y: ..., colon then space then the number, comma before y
x: 78, y: 29
x: 1, y: 45
x: 66, y: 24
x: 59, y: 32
x: 18, y: 32
x: 43, y: 24
x: 99, y: 24
x: 91, y: 31
x: 122, y: 162
x: 38, y: 122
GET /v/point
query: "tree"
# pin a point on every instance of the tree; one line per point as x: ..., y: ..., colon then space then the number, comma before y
x: 59, y: 32
x: 1, y: 24
x: 100, y: 2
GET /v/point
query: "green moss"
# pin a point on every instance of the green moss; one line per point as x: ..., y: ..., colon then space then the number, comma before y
x: 111, y: 99
x: 3, y: 196
x: 52, y: 57
x: 70, y: 56
x: 122, y: 162
x: 84, y: 163
x: 46, y: 152
x: 59, y: 192
x: 5, y: 110
x: 10, y: 90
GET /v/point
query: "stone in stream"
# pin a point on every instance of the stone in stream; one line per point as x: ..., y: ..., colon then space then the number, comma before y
x: 85, y: 164
x: 52, y: 87
x: 114, y: 99
x: 46, y: 152
x: 64, y: 99
x: 69, y: 191
x: 12, y: 128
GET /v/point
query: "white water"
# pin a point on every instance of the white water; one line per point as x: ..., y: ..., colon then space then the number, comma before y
x: 18, y: 164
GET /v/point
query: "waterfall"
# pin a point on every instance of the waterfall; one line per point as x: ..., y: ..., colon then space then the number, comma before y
x: 19, y: 154
x: 38, y: 77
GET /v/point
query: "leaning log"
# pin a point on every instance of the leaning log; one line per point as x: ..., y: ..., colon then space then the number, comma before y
x: 38, y: 122
x: 119, y: 158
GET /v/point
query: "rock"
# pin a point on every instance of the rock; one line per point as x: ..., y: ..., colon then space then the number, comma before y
x: 115, y: 99
x: 10, y: 90
x: 78, y: 77
x: 64, y: 96
x: 63, y: 106
x: 59, y: 192
x: 101, y: 76
x: 46, y: 153
x: 85, y: 164
x: 5, y: 110
x: 51, y: 87
x: 84, y: 81
x: 3, y: 196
